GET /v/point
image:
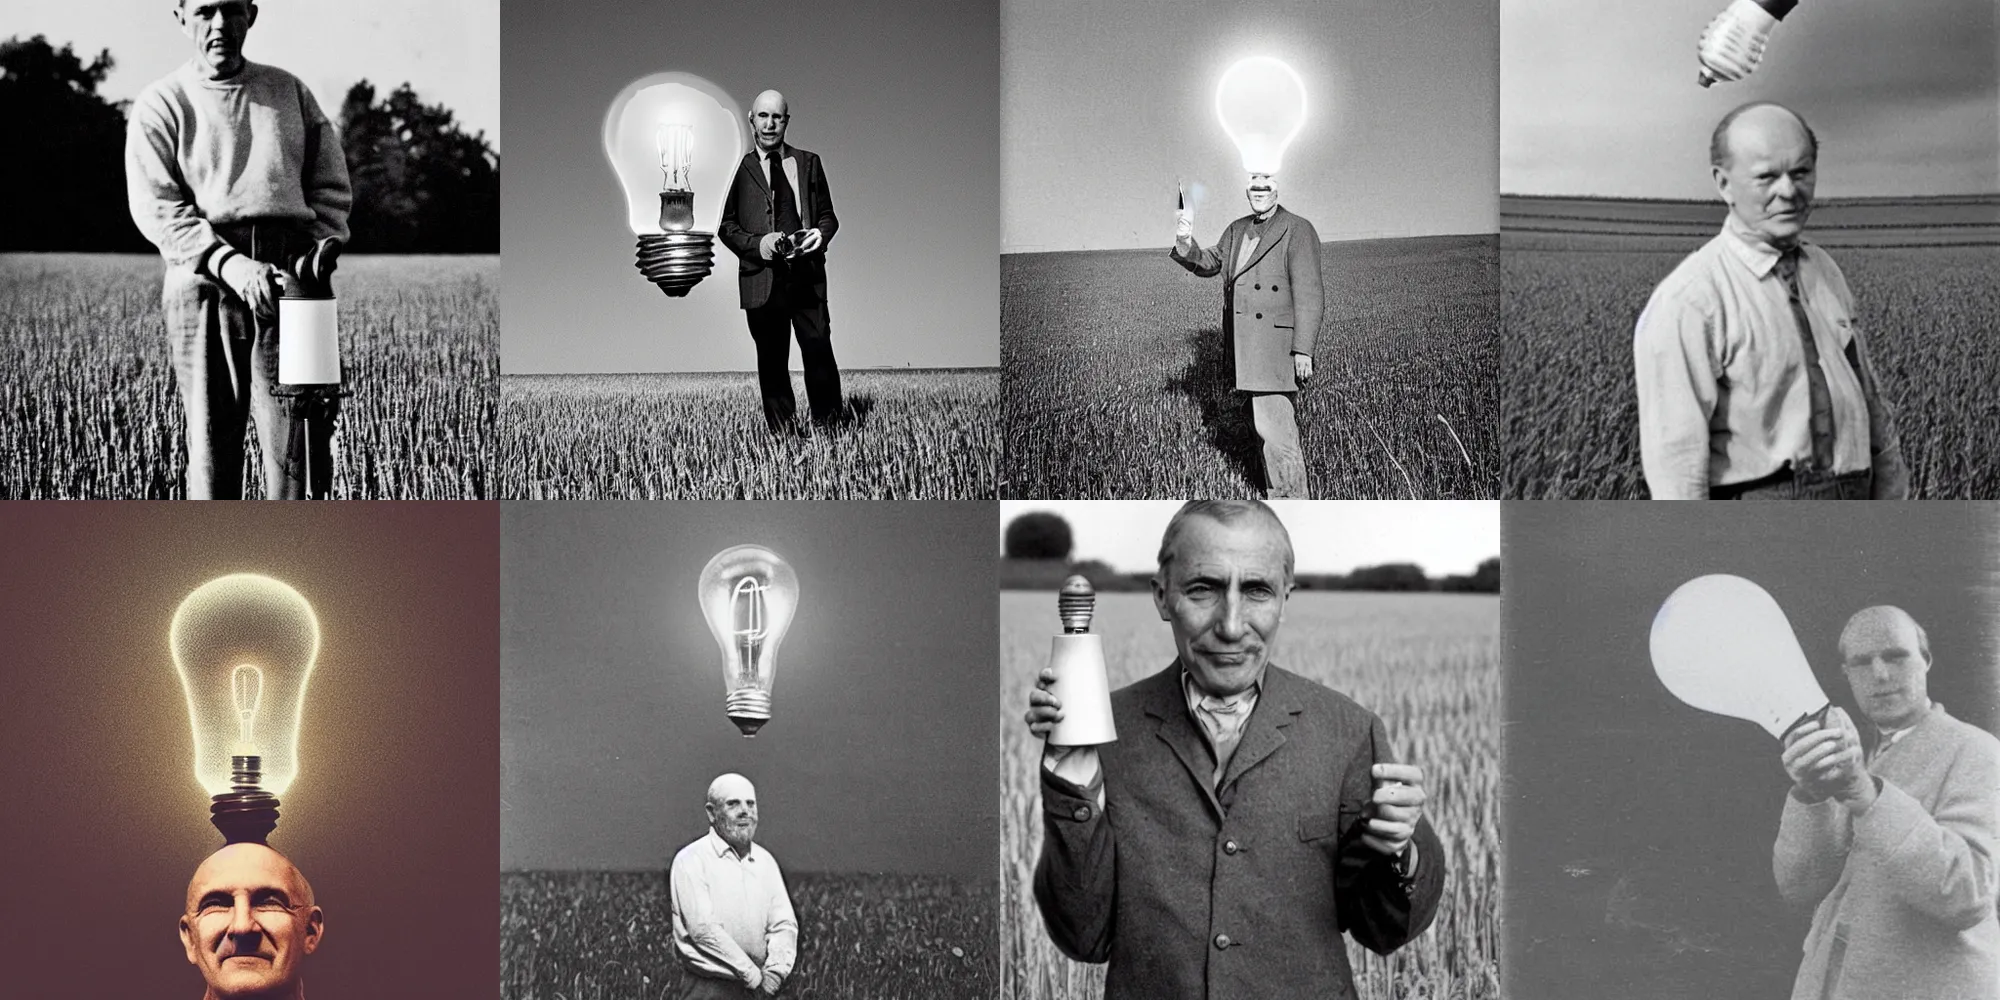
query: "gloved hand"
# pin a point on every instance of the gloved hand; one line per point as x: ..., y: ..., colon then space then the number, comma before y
x: 1733, y: 44
x: 253, y: 281
x: 1183, y: 225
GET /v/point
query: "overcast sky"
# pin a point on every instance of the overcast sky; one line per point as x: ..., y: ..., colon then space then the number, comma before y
x: 1106, y: 104
x: 449, y: 50
x: 900, y: 99
x: 1601, y: 99
x: 1328, y: 536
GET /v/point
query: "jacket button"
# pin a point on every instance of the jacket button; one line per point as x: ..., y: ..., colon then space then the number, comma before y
x: 1260, y: 286
x: 1230, y: 847
x: 1082, y: 813
x: 1260, y: 315
x: 1222, y: 940
x: 1274, y: 286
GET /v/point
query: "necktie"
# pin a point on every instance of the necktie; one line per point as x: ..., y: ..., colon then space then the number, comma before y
x: 1822, y: 399
x: 1223, y: 721
x: 785, y: 203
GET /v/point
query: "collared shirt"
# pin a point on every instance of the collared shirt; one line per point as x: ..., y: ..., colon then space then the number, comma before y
x: 733, y: 918
x: 1250, y: 240
x: 1886, y: 738
x: 1723, y: 393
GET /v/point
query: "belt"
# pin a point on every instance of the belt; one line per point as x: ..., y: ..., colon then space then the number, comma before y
x: 273, y: 241
x: 1785, y: 474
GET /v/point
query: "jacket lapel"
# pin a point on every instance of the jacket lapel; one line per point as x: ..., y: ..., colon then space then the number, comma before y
x: 1281, y: 224
x: 1264, y: 733
x: 756, y: 172
x: 1168, y: 708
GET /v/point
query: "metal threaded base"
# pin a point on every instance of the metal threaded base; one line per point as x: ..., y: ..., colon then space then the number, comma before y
x: 749, y: 709
x: 246, y: 814
x: 676, y: 261
x: 1075, y: 604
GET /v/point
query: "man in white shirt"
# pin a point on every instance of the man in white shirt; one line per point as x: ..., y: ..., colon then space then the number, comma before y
x: 1754, y: 378
x: 734, y: 928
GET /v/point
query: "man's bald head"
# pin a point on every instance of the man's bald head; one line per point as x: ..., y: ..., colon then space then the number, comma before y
x: 253, y: 860
x: 725, y: 786
x: 1757, y: 120
x: 770, y: 114
x: 732, y: 811
x: 1869, y: 626
x: 1887, y: 657
x: 250, y: 922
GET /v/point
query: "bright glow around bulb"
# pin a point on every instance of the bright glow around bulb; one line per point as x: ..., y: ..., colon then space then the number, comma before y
x: 748, y: 595
x: 1261, y: 103
x: 673, y: 129
x: 1722, y: 644
x: 244, y: 647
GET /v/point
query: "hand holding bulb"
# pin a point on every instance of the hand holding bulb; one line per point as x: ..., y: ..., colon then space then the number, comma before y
x: 1183, y: 224
x: 1824, y: 761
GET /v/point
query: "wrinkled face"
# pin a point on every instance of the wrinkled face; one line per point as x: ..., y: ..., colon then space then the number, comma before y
x: 1768, y: 179
x: 1887, y: 669
x: 218, y: 28
x: 1263, y: 192
x: 768, y: 118
x: 732, y: 811
x: 1223, y: 592
x: 250, y: 922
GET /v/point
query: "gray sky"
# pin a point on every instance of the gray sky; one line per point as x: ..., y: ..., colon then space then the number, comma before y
x: 612, y: 720
x: 1106, y: 104
x: 449, y: 50
x: 1600, y: 99
x: 1328, y: 536
x: 898, y: 97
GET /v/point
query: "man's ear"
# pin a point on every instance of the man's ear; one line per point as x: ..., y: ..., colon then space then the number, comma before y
x: 188, y: 942
x: 253, y: 17
x: 315, y: 929
x: 180, y: 18
x: 1160, y: 596
x: 1721, y: 177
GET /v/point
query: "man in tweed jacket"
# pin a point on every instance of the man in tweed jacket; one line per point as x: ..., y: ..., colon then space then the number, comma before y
x: 1246, y: 817
x: 1897, y: 853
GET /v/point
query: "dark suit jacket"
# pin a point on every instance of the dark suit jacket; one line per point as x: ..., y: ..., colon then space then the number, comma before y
x: 1271, y: 308
x: 748, y: 214
x: 1152, y: 881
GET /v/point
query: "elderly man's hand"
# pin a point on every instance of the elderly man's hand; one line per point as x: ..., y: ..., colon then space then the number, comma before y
x: 253, y: 282
x: 813, y: 241
x: 767, y: 247
x: 1044, y: 708
x: 1302, y: 366
x: 1183, y: 224
x: 772, y: 981
x: 1396, y: 807
x: 1823, y: 758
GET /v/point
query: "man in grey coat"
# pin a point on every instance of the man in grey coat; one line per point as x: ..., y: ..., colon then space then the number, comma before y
x: 1895, y: 851
x: 1272, y: 301
x: 1246, y: 817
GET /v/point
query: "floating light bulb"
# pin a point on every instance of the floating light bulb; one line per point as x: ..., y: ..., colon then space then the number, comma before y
x: 1722, y: 644
x: 671, y: 137
x: 1081, y: 683
x: 748, y: 596
x: 244, y: 647
x: 1262, y: 105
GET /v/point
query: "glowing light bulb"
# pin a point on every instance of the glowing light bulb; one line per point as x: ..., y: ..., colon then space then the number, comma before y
x: 1262, y: 105
x: 748, y: 596
x: 1077, y: 659
x: 1722, y: 644
x: 674, y: 139
x: 244, y: 646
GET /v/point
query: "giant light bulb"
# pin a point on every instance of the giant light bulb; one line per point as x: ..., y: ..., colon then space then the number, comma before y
x: 674, y: 140
x: 244, y: 647
x: 1262, y: 105
x: 748, y: 595
x: 1722, y: 644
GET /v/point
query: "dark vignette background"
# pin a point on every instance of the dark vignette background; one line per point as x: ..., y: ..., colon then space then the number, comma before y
x: 1639, y: 830
x: 392, y: 816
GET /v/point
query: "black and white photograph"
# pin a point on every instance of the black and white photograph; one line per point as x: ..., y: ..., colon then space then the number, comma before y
x: 746, y: 750
x: 1250, y: 749
x: 251, y: 250
x: 1747, y: 249
x: 1751, y: 754
x: 751, y: 251
x: 1248, y: 249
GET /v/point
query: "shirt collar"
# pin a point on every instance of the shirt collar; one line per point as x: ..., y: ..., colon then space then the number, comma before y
x: 777, y: 150
x: 1247, y: 697
x: 720, y: 847
x: 1760, y: 257
x: 1255, y: 221
x: 1886, y: 738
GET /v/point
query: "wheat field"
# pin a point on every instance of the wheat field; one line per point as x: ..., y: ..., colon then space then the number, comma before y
x: 1428, y: 664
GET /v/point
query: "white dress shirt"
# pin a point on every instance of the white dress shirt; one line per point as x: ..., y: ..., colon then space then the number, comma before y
x: 733, y: 918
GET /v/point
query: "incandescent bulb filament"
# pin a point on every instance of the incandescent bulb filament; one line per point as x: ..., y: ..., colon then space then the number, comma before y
x: 675, y: 142
x: 246, y: 690
x: 748, y: 608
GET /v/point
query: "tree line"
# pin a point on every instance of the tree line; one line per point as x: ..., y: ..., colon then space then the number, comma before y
x: 422, y: 184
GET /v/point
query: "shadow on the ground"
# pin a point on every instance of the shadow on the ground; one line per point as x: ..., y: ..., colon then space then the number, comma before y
x: 1209, y: 381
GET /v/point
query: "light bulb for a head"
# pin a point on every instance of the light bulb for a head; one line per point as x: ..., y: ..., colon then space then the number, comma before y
x: 674, y: 140
x: 244, y: 646
x: 1262, y: 105
x: 1722, y: 644
x: 748, y: 596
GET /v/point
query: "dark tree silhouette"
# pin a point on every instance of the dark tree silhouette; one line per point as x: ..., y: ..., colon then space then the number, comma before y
x: 421, y: 184
x: 1038, y: 534
x: 62, y: 182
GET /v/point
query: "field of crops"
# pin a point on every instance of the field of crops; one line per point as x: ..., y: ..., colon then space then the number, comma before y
x: 609, y: 936
x: 917, y: 435
x: 88, y: 407
x: 1571, y: 299
x: 1115, y: 383
x: 1428, y: 664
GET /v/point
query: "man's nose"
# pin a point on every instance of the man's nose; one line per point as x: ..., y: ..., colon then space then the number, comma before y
x: 1784, y: 186
x: 1230, y: 625
x: 241, y: 921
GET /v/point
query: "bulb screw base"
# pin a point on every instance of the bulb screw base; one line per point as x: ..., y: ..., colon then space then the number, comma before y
x: 749, y: 709
x: 1075, y: 604
x: 676, y: 261
x: 246, y: 814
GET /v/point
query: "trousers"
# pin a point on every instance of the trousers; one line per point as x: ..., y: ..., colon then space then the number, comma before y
x: 226, y: 363
x: 703, y: 988
x: 771, y: 327
x: 1274, y: 415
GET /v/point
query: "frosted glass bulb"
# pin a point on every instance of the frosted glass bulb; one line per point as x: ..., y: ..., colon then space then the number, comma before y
x: 244, y: 646
x: 1262, y: 105
x: 1722, y: 644
x: 673, y: 132
x: 748, y: 595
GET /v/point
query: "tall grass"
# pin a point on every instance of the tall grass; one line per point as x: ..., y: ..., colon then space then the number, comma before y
x: 1428, y: 664
x: 88, y: 406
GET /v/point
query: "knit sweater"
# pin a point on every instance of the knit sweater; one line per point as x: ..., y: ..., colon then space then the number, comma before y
x: 1906, y: 891
x: 253, y: 146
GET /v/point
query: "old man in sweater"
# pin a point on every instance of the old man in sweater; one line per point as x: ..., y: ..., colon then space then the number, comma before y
x: 1895, y: 849
x: 231, y: 168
